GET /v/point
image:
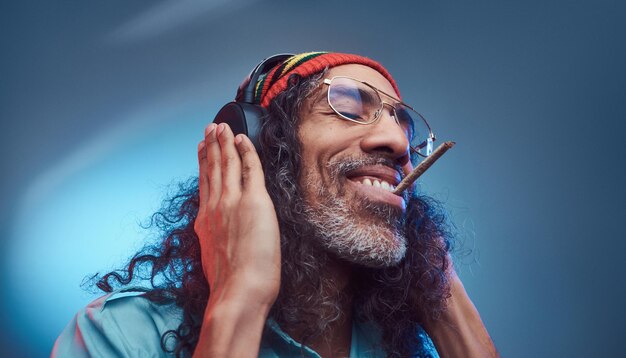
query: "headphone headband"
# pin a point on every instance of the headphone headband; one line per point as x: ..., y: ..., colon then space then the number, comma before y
x: 243, y: 115
x: 261, y: 69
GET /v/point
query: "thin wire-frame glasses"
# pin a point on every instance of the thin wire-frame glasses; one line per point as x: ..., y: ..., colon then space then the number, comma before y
x: 362, y: 103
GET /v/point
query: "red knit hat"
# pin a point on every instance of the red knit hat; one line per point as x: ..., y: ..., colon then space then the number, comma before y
x: 306, y: 64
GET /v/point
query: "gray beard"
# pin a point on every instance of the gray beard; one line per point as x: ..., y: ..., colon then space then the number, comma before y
x: 355, y: 229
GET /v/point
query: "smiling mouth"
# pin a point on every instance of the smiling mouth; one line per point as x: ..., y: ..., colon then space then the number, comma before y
x: 377, y: 190
x: 376, y: 183
x: 375, y: 178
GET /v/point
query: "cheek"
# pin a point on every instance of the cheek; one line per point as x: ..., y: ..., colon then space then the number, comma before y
x: 319, y: 145
x: 315, y: 180
x: 407, y: 168
x: 313, y: 175
x: 323, y: 139
x: 310, y: 184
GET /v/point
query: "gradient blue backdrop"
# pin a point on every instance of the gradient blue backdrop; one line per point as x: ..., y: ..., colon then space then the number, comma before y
x: 102, y: 104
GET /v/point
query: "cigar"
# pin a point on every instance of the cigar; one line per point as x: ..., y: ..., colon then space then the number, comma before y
x: 423, y: 166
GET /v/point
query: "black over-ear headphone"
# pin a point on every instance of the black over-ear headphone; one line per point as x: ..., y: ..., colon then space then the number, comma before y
x: 243, y: 115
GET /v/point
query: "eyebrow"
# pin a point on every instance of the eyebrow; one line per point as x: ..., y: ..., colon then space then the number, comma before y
x: 367, y: 96
x: 359, y: 94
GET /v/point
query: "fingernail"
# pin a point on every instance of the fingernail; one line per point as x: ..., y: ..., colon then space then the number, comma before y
x: 238, y: 139
x: 220, y: 128
x: 210, y: 128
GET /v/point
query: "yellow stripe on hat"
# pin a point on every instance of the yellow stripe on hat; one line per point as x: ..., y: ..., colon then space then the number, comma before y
x: 297, y: 58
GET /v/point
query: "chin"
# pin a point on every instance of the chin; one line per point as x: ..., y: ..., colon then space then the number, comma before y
x: 371, y: 243
x: 357, y: 228
x: 386, y: 255
x: 373, y: 237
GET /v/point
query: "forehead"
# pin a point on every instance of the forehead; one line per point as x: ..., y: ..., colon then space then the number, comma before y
x: 363, y: 73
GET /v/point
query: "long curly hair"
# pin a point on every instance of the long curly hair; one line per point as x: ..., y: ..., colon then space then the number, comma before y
x: 396, y: 299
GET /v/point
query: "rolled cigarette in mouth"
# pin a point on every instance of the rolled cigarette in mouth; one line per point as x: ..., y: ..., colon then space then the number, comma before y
x: 423, y: 166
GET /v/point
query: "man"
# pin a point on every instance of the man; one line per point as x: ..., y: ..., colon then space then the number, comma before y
x: 300, y: 249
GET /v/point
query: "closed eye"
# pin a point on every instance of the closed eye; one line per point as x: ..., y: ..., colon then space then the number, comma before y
x: 353, y: 116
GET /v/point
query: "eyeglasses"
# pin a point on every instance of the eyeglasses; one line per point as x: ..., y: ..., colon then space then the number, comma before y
x: 362, y: 103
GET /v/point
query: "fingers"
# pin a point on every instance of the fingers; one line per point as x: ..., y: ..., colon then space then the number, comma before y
x: 251, y: 168
x: 231, y: 163
x: 219, y: 160
x: 227, y: 164
x: 203, y: 175
x: 214, y: 171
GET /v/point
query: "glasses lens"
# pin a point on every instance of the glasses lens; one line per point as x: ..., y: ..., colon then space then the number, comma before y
x: 353, y: 100
x: 417, y: 129
x: 356, y: 101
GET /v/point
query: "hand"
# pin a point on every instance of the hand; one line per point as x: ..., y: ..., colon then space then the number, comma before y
x: 460, y: 332
x: 236, y: 223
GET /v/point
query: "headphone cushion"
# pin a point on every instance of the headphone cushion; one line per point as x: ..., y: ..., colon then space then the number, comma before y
x: 242, y: 118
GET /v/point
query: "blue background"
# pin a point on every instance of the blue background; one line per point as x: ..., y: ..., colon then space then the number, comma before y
x: 102, y: 104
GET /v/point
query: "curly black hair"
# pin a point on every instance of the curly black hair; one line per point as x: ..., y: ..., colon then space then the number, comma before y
x: 384, y: 296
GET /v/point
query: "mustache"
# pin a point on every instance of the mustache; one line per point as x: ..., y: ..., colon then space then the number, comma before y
x: 339, y: 167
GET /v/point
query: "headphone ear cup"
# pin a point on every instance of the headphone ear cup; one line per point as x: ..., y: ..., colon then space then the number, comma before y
x: 242, y: 118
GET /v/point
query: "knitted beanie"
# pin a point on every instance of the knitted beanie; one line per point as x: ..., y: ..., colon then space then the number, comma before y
x: 306, y: 64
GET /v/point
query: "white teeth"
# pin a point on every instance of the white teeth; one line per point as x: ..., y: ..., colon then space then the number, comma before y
x: 384, y: 185
x: 378, y: 184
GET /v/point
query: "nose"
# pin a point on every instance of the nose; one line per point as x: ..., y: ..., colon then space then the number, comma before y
x: 387, y: 137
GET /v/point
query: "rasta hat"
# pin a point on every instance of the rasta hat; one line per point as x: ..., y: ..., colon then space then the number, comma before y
x: 276, y: 80
x: 247, y: 113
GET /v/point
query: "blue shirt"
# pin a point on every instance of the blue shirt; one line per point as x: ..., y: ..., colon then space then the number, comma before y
x: 124, y: 324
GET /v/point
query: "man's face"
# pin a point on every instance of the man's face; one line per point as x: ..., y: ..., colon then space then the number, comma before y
x: 347, y: 168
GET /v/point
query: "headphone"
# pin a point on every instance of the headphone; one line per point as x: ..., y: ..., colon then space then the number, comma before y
x: 242, y: 114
